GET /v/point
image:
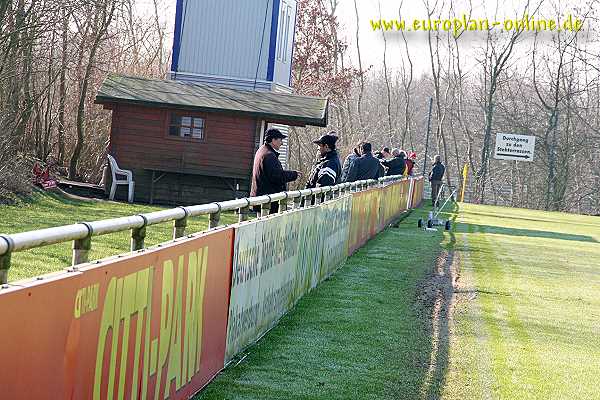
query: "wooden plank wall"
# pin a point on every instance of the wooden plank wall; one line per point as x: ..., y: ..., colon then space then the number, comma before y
x: 140, y: 142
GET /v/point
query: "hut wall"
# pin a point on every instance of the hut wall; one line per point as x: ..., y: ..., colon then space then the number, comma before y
x: 186, y: 171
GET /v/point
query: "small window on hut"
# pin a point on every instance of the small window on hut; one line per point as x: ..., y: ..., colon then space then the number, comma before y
x: 186, y: 127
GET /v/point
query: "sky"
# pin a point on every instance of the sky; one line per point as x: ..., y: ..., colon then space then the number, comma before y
x: 372, y: 42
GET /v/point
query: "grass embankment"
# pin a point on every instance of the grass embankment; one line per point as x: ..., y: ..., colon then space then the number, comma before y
x: 529, y: 321
x: 359, y: 335
x: 45, y: 210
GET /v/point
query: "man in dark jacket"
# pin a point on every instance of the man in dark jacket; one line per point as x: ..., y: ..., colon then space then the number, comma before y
x: 366, y: 166
x: 395, y: 165
x: 349, y: 160
x: 268, y: 176
x: 327, y: 170
x: 435, y: 177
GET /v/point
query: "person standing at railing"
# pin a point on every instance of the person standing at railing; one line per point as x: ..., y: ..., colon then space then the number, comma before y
x: 327, y: 170
x: 435, y: 177
x: 410, y: 163
x: 349, y: 160
x: 366, y: 166
x: 385, y: 152
x: 395, y: 165
x: 268, y: 176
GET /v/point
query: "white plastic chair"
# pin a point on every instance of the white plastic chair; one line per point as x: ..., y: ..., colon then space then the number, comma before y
x: 115, y: 170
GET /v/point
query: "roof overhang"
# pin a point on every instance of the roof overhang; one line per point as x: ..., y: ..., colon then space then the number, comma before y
x: 281, y: 108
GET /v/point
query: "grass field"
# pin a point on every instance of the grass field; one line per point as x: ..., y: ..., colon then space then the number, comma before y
x: 527, y: 319
x: 505, y: 307
x: 45, y: 210
x: 360, y: 335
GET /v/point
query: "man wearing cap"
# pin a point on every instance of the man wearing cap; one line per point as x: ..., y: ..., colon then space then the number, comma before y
x: 268, y: 176
x: 327, y: 170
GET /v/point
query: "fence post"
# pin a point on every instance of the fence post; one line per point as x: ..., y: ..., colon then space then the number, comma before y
x: 265, y: 208
x: 317, y: 198
x: 180, y: 224
x: 82, y: 247
x: 138, y: 235
x: 5, y: 260
x: 81, y: 250
x: 298, y: 202
x: 283, y: 203
x: 329, y: 195
x: 4, y: 267
x: 213, y: 219
x: 243, y: 213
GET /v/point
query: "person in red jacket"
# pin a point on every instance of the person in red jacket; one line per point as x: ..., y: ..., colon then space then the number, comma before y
x: 410, y: 163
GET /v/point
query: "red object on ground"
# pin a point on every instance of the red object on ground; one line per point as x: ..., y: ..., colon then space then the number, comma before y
x: 42, y: 178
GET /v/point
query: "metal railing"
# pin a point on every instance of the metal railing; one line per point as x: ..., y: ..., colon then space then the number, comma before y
x: 81, y: 233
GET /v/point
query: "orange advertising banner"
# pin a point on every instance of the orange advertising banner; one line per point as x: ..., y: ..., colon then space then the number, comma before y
x: 364, y: 220
x: 149, y: 325
x: 418, y: 192
x: 394, y: 200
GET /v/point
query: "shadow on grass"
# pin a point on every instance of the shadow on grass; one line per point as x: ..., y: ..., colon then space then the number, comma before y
x: 438, y: 296
x: 498, y: 230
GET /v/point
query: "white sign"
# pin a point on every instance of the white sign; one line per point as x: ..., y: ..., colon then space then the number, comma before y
x: 514, y: 147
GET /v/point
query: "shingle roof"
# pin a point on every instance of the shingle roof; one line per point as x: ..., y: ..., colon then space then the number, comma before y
x: 279, y: 107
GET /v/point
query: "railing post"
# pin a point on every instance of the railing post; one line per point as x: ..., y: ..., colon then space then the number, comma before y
x: 138, y: 235
x: 329, y: 195
x: 180, y: 224
x: 5, y: 260
x: 4, y: 267
x: 82, y: 247
x: 283, y: 203
x: 243, y: 213
x: 265, y: 208
x: 317, y: 198
x: 214, y: 218
x: 81, y: 250
x: 298, y: 202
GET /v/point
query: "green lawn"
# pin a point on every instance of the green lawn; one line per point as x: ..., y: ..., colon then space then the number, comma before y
x: 507, y: 306
x: 527, y: 320
x: 44, y: 210
x: 362, y: 334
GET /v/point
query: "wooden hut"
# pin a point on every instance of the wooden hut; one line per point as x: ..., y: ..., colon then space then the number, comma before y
x: 190, y: 143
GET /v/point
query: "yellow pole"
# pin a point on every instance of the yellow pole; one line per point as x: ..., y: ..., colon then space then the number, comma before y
x: 464, y: 183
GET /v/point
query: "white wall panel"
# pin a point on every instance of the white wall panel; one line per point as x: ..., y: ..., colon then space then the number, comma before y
x: 223, y: 37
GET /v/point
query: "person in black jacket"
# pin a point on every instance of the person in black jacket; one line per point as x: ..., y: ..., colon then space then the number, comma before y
x: 395, y: 165
x: 327, y: 170
x: 268, y: 176
x: 366, y: 166
x: 435, y: 177
x: 349, y: 160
